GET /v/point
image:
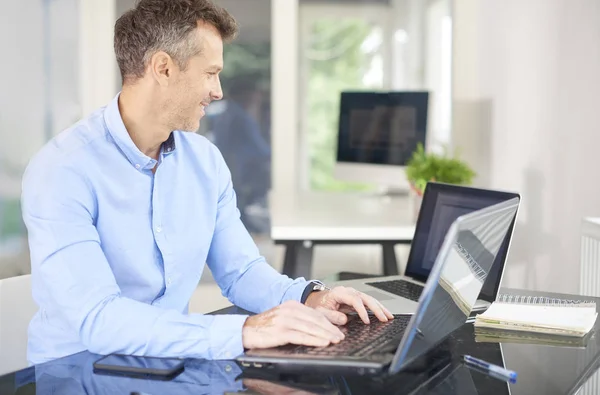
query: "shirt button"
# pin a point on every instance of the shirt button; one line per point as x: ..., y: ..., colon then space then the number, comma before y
x: 228, y: 368
x: 169, y: 281
x: 158, y: 229
x: 137, y: 166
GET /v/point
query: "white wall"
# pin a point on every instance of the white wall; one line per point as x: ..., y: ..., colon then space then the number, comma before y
x: 526, y: 92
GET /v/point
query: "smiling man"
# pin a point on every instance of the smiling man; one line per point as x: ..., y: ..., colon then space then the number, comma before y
x: 124, y: 209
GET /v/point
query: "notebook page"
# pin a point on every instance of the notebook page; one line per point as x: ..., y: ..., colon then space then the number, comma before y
x: 460, y: 282
x: 568, y: 318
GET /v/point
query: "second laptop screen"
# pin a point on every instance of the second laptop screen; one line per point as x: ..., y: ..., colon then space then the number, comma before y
x: 441, y: 205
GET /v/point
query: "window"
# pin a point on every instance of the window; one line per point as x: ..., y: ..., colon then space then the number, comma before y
x: 341, y: 48
x: 40, y: 99
x: 240, y: 124
x: 367, y: 45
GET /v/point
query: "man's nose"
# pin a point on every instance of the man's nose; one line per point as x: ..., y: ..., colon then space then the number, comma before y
x: 217, y: 92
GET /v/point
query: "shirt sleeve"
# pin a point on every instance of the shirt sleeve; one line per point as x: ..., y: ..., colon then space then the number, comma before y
x: 72, y: 278
x: 243, y: 275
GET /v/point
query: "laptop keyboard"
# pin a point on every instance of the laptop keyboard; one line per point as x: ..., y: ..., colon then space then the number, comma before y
x: 361, y: 339
x: 402, y: 288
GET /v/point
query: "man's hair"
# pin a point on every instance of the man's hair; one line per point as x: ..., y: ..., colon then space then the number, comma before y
x: 165, y: 25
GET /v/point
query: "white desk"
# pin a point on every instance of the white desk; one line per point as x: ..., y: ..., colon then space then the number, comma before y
x: 299, y: 222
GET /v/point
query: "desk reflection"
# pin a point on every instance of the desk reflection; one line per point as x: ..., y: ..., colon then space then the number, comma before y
x: 74, y: 376
x: 438, y: 372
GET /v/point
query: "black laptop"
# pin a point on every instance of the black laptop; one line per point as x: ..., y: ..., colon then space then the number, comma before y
x: 451, y: 290
x: 442, y: 204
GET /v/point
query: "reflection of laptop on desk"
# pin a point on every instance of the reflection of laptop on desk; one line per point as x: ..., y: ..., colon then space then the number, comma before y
x: 394, y: 344
x: 442, y: 204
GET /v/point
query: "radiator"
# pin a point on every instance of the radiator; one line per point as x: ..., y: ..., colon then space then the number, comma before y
x: 589, y: 280
x: 589, y: 284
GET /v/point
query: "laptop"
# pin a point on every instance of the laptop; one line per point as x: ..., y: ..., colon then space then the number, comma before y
x: 441, y: 205
x: 450, y: 292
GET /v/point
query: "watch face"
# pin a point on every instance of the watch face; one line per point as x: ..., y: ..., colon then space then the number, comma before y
x: 319, y: 286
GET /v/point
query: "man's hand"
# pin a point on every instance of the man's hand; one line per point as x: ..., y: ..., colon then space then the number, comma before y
x: 338, y: 299
x: 290, y: 322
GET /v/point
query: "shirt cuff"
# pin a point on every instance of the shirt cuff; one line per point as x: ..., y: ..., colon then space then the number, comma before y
x: 295, y: 291
x: 225, y: 336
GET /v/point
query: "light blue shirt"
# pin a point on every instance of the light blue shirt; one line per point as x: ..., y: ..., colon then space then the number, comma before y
x: 117, y: 251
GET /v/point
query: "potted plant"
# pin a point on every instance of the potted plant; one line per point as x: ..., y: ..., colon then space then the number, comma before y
x: 424, y: 167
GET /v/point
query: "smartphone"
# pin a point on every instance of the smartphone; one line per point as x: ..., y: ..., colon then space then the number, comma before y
x: 136, y: 366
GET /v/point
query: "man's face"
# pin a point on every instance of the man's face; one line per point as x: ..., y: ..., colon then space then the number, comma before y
x: 199, y: 84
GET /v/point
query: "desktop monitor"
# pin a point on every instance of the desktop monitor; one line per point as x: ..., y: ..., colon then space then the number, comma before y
x: 377, y: 135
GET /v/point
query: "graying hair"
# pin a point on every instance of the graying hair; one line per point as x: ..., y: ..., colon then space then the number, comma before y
x: 165, y: 25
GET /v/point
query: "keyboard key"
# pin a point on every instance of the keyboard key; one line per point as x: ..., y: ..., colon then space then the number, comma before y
x: 361, y: 339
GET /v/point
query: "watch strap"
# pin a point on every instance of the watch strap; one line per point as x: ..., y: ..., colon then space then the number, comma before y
x: 313, y: 286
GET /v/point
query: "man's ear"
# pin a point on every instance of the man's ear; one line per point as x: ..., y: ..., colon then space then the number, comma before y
x: 162, y: 68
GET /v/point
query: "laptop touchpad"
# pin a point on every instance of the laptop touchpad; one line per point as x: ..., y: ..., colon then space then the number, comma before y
x: 379, y: 295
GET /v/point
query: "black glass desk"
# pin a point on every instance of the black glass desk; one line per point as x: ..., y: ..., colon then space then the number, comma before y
x: 541, y: 368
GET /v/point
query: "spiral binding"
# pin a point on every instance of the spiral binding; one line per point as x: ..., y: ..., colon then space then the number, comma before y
x: 544, y: 301
x: 477, y: 270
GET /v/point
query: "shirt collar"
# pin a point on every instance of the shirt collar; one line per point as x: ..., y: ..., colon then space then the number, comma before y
x: 169, y: 145
x: 116, y: 128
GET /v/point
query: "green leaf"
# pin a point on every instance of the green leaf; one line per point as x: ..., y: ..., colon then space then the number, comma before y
x: 425, y: 167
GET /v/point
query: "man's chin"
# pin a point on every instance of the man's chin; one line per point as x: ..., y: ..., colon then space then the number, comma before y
x: 190, y: 127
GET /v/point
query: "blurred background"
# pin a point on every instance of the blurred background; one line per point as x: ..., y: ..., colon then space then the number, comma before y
x: 513, y: 86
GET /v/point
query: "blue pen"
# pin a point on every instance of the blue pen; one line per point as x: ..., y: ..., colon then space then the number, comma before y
x: 493, y: 370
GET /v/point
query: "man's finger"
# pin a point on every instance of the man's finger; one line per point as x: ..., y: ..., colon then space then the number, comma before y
x: 335, y: 317
x: 304, y: 339
x: 351, y: 298
x: 386, y: 311
x: 316, y: 317
x: 360, y: 308
x: 376, y: 307
x: 305, y: 326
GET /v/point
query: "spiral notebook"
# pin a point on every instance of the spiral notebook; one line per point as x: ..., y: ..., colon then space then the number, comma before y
x: 490, y: 335
x: 539, y: 315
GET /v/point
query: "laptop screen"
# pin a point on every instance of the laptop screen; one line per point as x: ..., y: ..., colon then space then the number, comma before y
x: 461, y: 268
x: 442, y: 204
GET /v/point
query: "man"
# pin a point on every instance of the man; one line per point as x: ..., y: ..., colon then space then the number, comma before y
x: 124, y: 208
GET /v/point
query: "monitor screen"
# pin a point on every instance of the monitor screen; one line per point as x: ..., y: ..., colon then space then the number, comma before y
x: 381, y: 127
x: 441, y: 205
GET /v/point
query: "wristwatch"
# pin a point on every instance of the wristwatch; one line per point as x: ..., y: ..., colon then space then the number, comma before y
x: 313, y: 286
